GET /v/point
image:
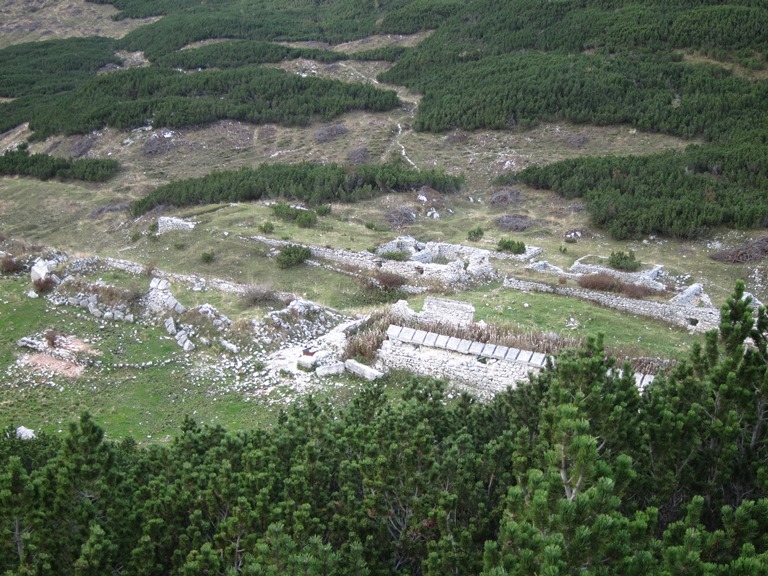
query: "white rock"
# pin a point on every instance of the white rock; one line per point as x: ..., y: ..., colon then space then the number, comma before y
x: 229, y: 346
x: 330, y: 369
x: 362, y: 370
x: 23, y: 433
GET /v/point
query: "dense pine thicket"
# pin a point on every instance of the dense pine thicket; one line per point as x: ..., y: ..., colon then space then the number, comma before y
x: 573, y: 473
x: 488, y: 64
x: 679, y: 194
x: 309, y: 182
x: 20, y: 162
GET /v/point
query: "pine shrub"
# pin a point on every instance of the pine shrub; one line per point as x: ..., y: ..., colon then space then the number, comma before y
x: 292, y: 255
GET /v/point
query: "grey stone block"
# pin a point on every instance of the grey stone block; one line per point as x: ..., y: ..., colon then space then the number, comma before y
x: 418, y: 337
x: 362, y: 370
x: 488, y: 350
x: 441, y: 341
x: 500, y: 352
x: 330, y: 369
x: 525, y: 356
x: 453, y: 343
x: 306, y: 363
x: 393, y: 331
x: 476, y: 348
x: 538, y: 359
x: 512, y: 355
x: 464, y: 346
x: 407, y: 334
x: 430, y: 339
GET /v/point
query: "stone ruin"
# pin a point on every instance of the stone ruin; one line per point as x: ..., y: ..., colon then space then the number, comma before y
x: 171, y: 224
x: 436, y: 311
x: 428, y: 263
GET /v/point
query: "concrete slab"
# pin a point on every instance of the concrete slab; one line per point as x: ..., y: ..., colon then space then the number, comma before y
x: 406, y: 334
x: 430, y: 339
x: 500, y: 352
x: 362, y: 370
x: 525, y: 356
x: 394, y: 331
x: 488, y: 350
x: 441, y: 341
x: 418, y: 337
x: 512, y: 355
x: 476, y: 347
x: 464, y: 346
x: 538, y: 359
x: 453, y: 344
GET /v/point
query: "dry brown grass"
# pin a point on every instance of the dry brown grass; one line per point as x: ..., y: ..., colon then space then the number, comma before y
x: 605, y: 282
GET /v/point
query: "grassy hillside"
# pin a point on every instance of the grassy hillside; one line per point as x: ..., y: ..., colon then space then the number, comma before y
x: 598, y: 101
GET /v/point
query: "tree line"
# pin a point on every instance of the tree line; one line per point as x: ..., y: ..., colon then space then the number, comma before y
x: 575, y: 472
x: 19, y: 162
x: 306, y: 181
x: 164, y: 98
x: 682, y: 194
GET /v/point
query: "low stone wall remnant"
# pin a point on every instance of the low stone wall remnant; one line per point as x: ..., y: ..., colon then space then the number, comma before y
x: 693, y: 318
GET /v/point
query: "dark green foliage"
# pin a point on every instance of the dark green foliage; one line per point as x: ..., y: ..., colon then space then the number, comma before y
x: 624, y: 261
x: 574, y: 472
x: 20, y: 162
x: 314, y: 183
x: 399, y: 256
x: 267, y: 227
x: 241, y: 53
x: 512, y: 246
x: 292, y: 255
x: 302, y: 217
x: 475, y: 234
x: 207, y: 257
x: 323, y: 210
x: 306, y: 219
x: 677, y: 194
x: 135, y: 97
x: 52, y: 67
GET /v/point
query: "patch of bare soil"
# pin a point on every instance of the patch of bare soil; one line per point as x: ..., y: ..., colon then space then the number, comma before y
x: 381, y: 41
x: 14, y: 137
x: 76, y: 346
x: 61, y: 356
x: 46, y: 363
x: 33, y: 20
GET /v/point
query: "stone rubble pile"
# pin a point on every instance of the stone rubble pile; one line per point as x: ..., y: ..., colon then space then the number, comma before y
x: 171, y: 224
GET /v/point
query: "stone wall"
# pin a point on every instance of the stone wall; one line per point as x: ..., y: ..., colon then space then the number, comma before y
x: 482, y: 369
x: 645, y: 278
x: 171, y: 224
x: 467, y: 266
x: 467, y: 372
x: 694, y: 318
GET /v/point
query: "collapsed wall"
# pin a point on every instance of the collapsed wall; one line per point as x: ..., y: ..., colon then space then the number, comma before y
x: 693, y: 318
x: 429, y: 263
